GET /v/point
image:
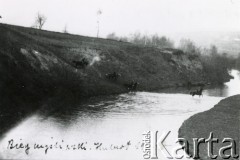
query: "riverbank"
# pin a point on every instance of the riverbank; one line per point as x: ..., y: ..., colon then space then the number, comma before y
x: 222, y: 120
x: 37, y: 66
x: 40, y: 63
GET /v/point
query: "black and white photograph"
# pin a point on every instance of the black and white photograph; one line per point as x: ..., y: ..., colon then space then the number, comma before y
x: 119, y: 79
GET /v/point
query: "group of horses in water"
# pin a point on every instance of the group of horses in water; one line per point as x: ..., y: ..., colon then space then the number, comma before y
x: 132, y: 86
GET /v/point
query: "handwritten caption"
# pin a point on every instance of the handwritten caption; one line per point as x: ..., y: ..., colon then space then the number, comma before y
x: 62, y: 145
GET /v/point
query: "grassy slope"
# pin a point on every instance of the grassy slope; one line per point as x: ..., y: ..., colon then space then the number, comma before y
x: 223, y: 120
x: 42, y: 60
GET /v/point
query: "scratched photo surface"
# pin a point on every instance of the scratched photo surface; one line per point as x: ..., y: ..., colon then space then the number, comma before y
x: 119, y: 79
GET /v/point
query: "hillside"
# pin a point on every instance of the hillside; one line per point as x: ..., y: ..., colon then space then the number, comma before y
x: 35, y: 61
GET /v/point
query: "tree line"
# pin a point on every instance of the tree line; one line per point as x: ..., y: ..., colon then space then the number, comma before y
x: 144, y: 40
x: 215, y: 63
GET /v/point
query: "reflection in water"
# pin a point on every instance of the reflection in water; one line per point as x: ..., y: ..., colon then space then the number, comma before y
x: 110, y: 120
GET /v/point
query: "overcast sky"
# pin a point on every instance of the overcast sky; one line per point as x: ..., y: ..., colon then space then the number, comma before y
x: 126, y: 16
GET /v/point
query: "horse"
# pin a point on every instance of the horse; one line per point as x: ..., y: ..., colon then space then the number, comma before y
x: 81, y: 64
x: 197, y: 92
x: 113, y: 76
x: 132, y: 86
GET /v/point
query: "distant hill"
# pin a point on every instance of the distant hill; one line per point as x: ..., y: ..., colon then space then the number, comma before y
x: 229, y: 43
x: 226, y: 42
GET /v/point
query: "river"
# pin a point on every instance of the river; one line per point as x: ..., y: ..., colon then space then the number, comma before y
x: 103, y: 124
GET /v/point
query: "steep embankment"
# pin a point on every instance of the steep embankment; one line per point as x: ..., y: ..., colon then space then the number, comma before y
x: 36, y: 65
x: 223, y: 121
x: 41, y: 63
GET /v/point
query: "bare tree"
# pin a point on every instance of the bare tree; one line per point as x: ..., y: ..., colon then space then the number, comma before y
x: 40, y: 20
x: 65, y: 29
x: 99, y: 12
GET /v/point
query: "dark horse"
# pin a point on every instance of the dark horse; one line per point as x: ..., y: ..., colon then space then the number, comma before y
x: 113, y: 76
x: 197, y: 92
x: 132, y: 86
x: 81, y: 64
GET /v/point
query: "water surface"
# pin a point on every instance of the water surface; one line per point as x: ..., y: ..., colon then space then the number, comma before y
x: 113, y: 121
